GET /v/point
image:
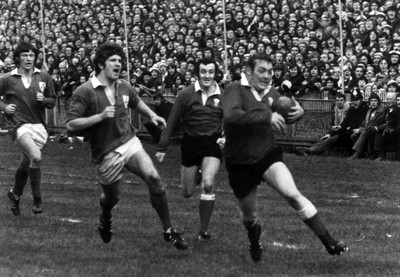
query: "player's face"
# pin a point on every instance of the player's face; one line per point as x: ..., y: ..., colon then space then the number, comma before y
x: 112, y: 67
x: 27, y: 60
x: 260, y: 77
x: 206, y: 75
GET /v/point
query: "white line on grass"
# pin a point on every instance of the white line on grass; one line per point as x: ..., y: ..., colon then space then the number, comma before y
x: 288, y: 246
x: 70, y: 220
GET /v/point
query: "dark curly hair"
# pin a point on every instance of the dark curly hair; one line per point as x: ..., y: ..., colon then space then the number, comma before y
x: 105, y: 51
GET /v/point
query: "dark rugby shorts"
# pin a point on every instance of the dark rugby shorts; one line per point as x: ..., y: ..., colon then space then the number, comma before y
x: 244, y: 177
x: 194, y: 149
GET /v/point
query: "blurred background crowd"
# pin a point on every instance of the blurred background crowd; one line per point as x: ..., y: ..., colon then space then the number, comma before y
x: 165, y: 38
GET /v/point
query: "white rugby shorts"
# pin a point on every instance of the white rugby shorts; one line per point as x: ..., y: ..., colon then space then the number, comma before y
x: 111, y: 168
x: 36, y: 131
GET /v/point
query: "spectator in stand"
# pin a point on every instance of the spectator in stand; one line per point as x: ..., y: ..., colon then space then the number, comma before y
x: 354, y: 117
x: 295, y: 86
x: 350, y: 82
x: 388, y: 134
x: 364, y: 136
x: 328, y: 141
x: 278, y: 77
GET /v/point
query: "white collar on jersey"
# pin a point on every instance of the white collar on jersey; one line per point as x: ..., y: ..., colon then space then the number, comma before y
x: 96, y: 82
x: 15, y: 71
x: 245, y: 82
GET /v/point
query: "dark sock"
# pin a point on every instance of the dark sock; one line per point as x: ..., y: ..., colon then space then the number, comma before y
x: 160, y: 203
x: 250, y: 225
x: 35, y: 176
x: 106, y: 207
x: 37, y: 200
x: 21, y: 177
x: 315, y: 223
x: 205, y: 209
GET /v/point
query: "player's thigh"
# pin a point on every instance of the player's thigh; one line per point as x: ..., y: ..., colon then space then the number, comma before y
x: 189, y: 178
x: 209, y: 169
x: 141, y: 164
x: 29, y: 147
x: 249, y: 205
x: 279, y: 178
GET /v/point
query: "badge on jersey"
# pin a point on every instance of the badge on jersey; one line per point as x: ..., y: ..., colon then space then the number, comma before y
x: 42, y: 86
x: 216, y: 102
x: 126, y: 100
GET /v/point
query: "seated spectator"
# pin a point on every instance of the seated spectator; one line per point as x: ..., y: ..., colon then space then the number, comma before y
x: 364, y: 137
x: 355, y: 116
x: 388, y: 135
x: 328, y: 140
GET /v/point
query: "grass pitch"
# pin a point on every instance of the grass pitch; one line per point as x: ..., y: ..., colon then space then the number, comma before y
x: 359, y: 201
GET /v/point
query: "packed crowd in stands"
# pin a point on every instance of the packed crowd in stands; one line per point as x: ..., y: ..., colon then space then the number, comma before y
x: 165, y: 38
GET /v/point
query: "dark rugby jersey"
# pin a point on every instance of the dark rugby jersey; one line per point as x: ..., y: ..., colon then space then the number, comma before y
x: 247, y: 123
x: 197, y: 118
x: 28, y: 109
x: 89, y: 99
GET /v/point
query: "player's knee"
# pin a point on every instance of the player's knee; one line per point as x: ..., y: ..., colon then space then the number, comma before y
x: 249, y: 216
x: 187, y: 193
x: 35, y: 160
x: 153, y: 181
x: 110, y: 199
x: 293, y: 198
x: 207, y: 187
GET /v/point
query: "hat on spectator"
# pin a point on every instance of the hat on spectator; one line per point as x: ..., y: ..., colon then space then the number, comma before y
x: 286, y: 85
x: 386, y: 25
x: 378, y: 55
x: 368, y: 85
x: 394, y: 52
x: 391, y: 8
x: 377, y: 13
x: 154, y: 68
x: 356, y: 94
x: 344, y: 60
x: 162, y: 64
x: 374, y: 96
x: 392, y: 83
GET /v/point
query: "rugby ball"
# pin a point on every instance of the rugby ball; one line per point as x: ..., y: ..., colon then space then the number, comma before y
x: 283, y: 106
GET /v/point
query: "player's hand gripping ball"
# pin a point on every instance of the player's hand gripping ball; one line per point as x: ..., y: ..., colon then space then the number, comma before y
x: 283, y: 106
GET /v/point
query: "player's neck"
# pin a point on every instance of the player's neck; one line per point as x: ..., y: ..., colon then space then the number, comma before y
x: 25, y: 72
x: 210, y: 90
x: 106, y: 81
